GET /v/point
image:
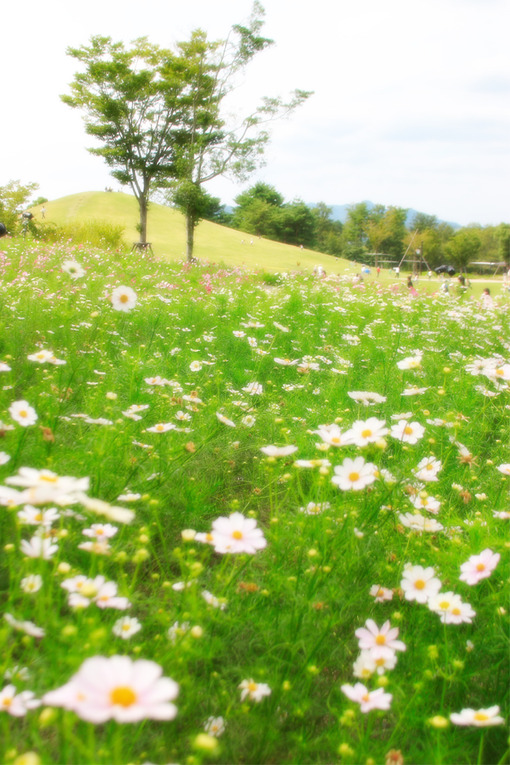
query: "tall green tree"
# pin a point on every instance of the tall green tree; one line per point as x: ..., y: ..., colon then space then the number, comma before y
x: 209, y: 144
x: 14, y: 198
x: 132, y: 104
x: 463, y: 247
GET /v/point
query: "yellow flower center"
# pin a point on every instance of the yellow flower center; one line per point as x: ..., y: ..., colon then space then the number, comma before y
x: 252, y: 687
x: 380, y: 639
x: 48, y: 478
x: 480, y: 567
x: 353, y: 477
x: 419, y: 584
x: 88, y: 590
x: 335, y: 440
x: 456, y: 611
x: 7, y: 702
x: 23, y: 413
x: 124, y: 298
x: 237, y: 534
x: 379, y: 662
x: 122, y: 696
x: 444, y: 605
x: 366, y: 433
x: 366, y: 697
x: 408, y: 430
x: 480, y: 716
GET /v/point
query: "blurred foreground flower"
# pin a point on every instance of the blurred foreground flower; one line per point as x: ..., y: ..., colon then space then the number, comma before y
x: 117, y: 688
x: 123, y: 299
x: 480, y: 718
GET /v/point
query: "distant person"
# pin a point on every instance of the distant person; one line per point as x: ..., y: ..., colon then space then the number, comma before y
x: 43, y: 212
x: 378, y: 271
x: 429, y: 274
x: 487, y: 301
x: 397, y: 272
x: 409, y: 282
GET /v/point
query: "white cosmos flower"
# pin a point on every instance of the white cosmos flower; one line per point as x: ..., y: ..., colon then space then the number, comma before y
x: 22, y: 413
x: 126, y: 627
x: 278, y: 451
x: 31, y: 583
x: 366, y: 397
x: 161, y: 427
x: 418, y: 522
x: 367, y: 700
x: 30, y: 477
x: 39, y: 547
x: 224, y: 420
x: 73, y: 269
x: 424, y: 501
x: 480, y: 718
x: 450, y: 608
x: 427, y: 469
x: 17, y: 704
x: 117, y: 688
x: 35, y: 516
x: 419, y: 583
x: 354, y: 474
x: 407, y: 432
x: 123, y: 299
x: 29, y: 628
x: 214, y: 726
x: 365, y: 432
x: 253, y: 389
x: 331, y: 435
x: 237, y: 534
x: 254, y: 691
x: 411, y: 362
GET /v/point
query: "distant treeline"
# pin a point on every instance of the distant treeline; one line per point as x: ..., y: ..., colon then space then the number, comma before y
x: 368, y: 230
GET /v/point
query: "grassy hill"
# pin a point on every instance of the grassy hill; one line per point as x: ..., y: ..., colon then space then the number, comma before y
x: 166, y: 232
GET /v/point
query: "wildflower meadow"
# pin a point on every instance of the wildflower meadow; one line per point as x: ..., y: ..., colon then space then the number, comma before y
x: 245, y: 522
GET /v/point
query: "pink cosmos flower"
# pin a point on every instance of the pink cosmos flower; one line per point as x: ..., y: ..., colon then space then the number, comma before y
x: 117, y: 688
x: 380, y: 641
x: 237, y: 534
x: 479, y: 566
x: 367, y: 699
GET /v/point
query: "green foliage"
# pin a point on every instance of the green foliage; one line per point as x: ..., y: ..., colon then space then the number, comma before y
x: 14, y: 199
x: 96, y: 233
x: 463, y: 247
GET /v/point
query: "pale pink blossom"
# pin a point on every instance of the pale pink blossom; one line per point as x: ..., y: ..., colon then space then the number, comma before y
x: 117, y: 688
x: 380, y: 641
x: 479, y: 566
x: 367, y: 700
x: 237, y: 534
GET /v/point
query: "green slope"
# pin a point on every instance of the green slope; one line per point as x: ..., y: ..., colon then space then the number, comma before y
x: 166, y: 232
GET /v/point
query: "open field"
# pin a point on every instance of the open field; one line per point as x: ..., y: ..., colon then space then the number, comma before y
x: 245, y: 522
x: 166, y: 232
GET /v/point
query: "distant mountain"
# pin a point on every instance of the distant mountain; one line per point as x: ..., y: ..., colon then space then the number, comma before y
x: 339, y: 212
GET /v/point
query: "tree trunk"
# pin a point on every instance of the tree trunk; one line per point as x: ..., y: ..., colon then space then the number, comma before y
x: 142, y: 202
x: 190, y: 233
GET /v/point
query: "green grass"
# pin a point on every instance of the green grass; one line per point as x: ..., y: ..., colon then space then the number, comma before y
x: 293, y: 607
x: 166, y: 232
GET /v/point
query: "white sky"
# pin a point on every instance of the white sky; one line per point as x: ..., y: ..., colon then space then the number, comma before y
x: 411, y: 103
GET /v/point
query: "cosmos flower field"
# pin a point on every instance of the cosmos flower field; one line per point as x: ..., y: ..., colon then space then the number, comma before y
x: 244, y: 523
